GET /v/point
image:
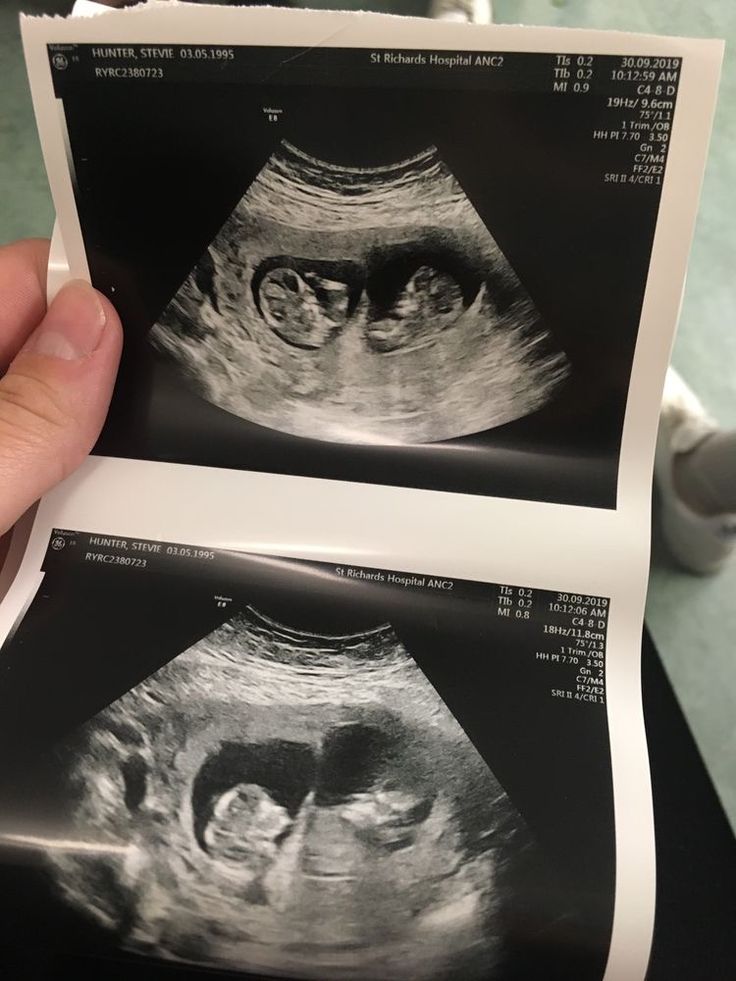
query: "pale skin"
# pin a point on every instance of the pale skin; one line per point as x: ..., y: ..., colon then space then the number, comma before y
x: 57, y: 370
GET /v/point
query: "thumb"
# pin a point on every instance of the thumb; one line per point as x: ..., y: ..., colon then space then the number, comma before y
x: 54, y: 396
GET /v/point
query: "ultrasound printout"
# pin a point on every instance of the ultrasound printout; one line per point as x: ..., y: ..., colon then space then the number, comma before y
x: 326, y: 664
x: 306, y: 770
x: 422, y: 269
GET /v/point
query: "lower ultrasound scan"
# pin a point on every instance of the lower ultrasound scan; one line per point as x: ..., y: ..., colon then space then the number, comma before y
x: 285, y: 768
x: 295, y: 803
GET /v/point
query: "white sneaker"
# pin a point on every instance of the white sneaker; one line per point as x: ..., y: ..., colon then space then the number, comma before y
x: 700, y: 543
x: 462, y: 11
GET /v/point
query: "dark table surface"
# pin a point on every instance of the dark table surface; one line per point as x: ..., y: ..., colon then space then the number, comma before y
x: 695, y: 924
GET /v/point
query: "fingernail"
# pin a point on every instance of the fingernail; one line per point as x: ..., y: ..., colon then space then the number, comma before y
x: 73, y: 325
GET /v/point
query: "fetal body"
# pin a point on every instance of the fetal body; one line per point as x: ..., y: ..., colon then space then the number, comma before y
x: 284, y: 802
x: 360, y: 305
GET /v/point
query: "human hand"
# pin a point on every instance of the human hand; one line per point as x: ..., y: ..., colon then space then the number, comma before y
x: 57, y: 370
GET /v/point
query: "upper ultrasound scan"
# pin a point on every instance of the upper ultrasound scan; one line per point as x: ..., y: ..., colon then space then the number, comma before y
x: 364, y: 305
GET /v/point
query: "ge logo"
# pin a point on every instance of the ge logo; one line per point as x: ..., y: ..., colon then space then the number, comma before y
x: 57, y: 544
x: 60, y: 61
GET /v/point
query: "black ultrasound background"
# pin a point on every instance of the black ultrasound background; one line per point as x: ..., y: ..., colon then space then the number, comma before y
x: 160, y: 166
x: 94, y: 632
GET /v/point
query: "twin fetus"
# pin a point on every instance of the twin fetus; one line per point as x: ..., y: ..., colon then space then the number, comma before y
x: 308, y: 303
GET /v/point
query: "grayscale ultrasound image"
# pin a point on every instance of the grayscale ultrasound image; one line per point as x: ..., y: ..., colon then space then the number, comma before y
x: 360, y: 306
x: 292, y: 803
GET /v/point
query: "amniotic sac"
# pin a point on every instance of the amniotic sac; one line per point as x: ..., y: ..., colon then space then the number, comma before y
x: 286, y: 802
x: 361, y: 306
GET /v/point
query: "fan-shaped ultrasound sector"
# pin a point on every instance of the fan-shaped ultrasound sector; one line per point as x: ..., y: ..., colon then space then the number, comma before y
x: 291, y: 803
x: 360, y: 305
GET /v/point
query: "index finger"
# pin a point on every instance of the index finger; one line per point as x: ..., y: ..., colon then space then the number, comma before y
x: 22, y: 293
